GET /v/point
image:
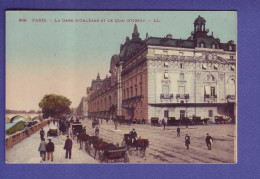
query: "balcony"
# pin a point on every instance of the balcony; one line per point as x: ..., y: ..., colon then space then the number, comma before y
x: 231, y: 98
x: 182, y: 96
x: 166, y: 96
x: 210, y: 96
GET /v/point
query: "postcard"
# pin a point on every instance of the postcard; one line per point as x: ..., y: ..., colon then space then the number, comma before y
x: 90, y: 87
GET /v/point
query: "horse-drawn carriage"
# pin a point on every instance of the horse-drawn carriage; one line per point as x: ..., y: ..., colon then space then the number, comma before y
x: 53, y: 131
x: 136, y: 144
x: 155, y: 121
x: 115, y: 154
x: 76, y: 128
x: 172, y: 121
x: 220, y: 119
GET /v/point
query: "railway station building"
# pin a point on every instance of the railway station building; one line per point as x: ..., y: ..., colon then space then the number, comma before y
x: 169, y: 77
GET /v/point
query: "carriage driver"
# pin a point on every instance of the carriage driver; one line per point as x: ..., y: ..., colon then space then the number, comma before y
x: 133, y: 135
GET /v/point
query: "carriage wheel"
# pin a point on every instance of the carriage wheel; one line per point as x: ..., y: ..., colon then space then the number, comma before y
x: 126, y: 158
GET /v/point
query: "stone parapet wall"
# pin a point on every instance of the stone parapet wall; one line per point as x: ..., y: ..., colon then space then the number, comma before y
x: 17, y: 137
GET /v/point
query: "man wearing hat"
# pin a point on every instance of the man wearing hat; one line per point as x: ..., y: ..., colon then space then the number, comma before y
x: 209, y: 141
x: 50, y: 149
x: 68, y: 147
x: 133, y: 135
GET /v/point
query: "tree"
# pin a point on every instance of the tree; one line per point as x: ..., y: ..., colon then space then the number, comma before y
x: 53, y: 105
x: 112, y: 111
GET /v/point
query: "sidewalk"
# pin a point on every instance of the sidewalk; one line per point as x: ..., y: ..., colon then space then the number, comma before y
x: 27, y: 151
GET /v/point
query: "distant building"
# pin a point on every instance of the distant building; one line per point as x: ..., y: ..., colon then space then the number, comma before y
x: 169, y: 77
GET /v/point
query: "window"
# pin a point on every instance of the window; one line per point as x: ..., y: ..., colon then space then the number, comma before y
x: 230, y: 48
x: 127, y: 92
x: 166, y: 75
x: 215, y: 67
x: 165, y: 89
x: 181, y: 76
x: 206, y: 90
x: 202, y: 45
x: 182, y: 114
x: 166, y: 113
x: 165, y: 52
x: 181, y: 90
x: 181, y: 66
x: 212, y: 91
x: 136, y: 90
x: 141, y: 89
x: 132, y: 92
x: 166, y: 64
x: 213, y: 46
x: 141, y: 78
x: 210, y: 113
x: 212, y: 78
x: 231, y: 57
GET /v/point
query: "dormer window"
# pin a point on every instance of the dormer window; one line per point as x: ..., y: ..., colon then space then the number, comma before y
x: 232, y: 68
x: 230, y: 48
x: 202, y: 45
x: 166, y: 75
x: 213, y: 46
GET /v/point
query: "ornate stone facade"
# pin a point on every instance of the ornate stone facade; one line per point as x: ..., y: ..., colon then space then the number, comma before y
x: 166, y: 77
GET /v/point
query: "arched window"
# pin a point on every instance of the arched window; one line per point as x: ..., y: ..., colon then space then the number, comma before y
x: 231, y: 87
x: 212, y: 78
x: 202, y: 45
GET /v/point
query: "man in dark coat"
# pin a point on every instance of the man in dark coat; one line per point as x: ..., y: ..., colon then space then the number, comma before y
x: 68, y: 147
x: 163, y: 123
x: 50, y: 149
x: 133, y: 135
x: 209, y: 141
x: 42, y: 133
x: 178, y: 131
x: 187, y: 141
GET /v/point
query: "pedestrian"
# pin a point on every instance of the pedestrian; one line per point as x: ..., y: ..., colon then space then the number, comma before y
x: 54, y: 122
x: 96, y: 131
x: 26, y: 131
x: 50, y: 149
x: 178, y: 132
x: 42, y: 149
x: 187, y: 141
x: 48, y: 123
x: 42, y: 133
x: 163, y: 123
x: 209, y: 141
x: 68, y: 147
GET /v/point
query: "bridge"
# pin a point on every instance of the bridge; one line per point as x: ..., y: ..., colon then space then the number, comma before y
x: 11, y: 117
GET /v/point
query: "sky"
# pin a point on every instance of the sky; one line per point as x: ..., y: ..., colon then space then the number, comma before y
x: 62, y: 57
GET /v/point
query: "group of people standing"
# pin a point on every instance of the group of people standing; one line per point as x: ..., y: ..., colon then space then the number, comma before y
x: 46, y: 147
x: 49, y: 147
x: 209, y: 139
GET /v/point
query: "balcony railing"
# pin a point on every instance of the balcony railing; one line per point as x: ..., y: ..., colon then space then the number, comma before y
x: 231, y: 98
x: 166, y: 96
x: 132, y: 99
x: 210, y: 96
x: 182, y: 96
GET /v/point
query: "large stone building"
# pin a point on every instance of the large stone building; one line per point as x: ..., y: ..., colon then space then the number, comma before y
x: 168, y: 77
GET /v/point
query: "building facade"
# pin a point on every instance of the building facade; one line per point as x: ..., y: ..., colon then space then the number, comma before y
x: 168, y: 77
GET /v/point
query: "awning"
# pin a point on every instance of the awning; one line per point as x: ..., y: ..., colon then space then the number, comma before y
x: 207, y: 90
